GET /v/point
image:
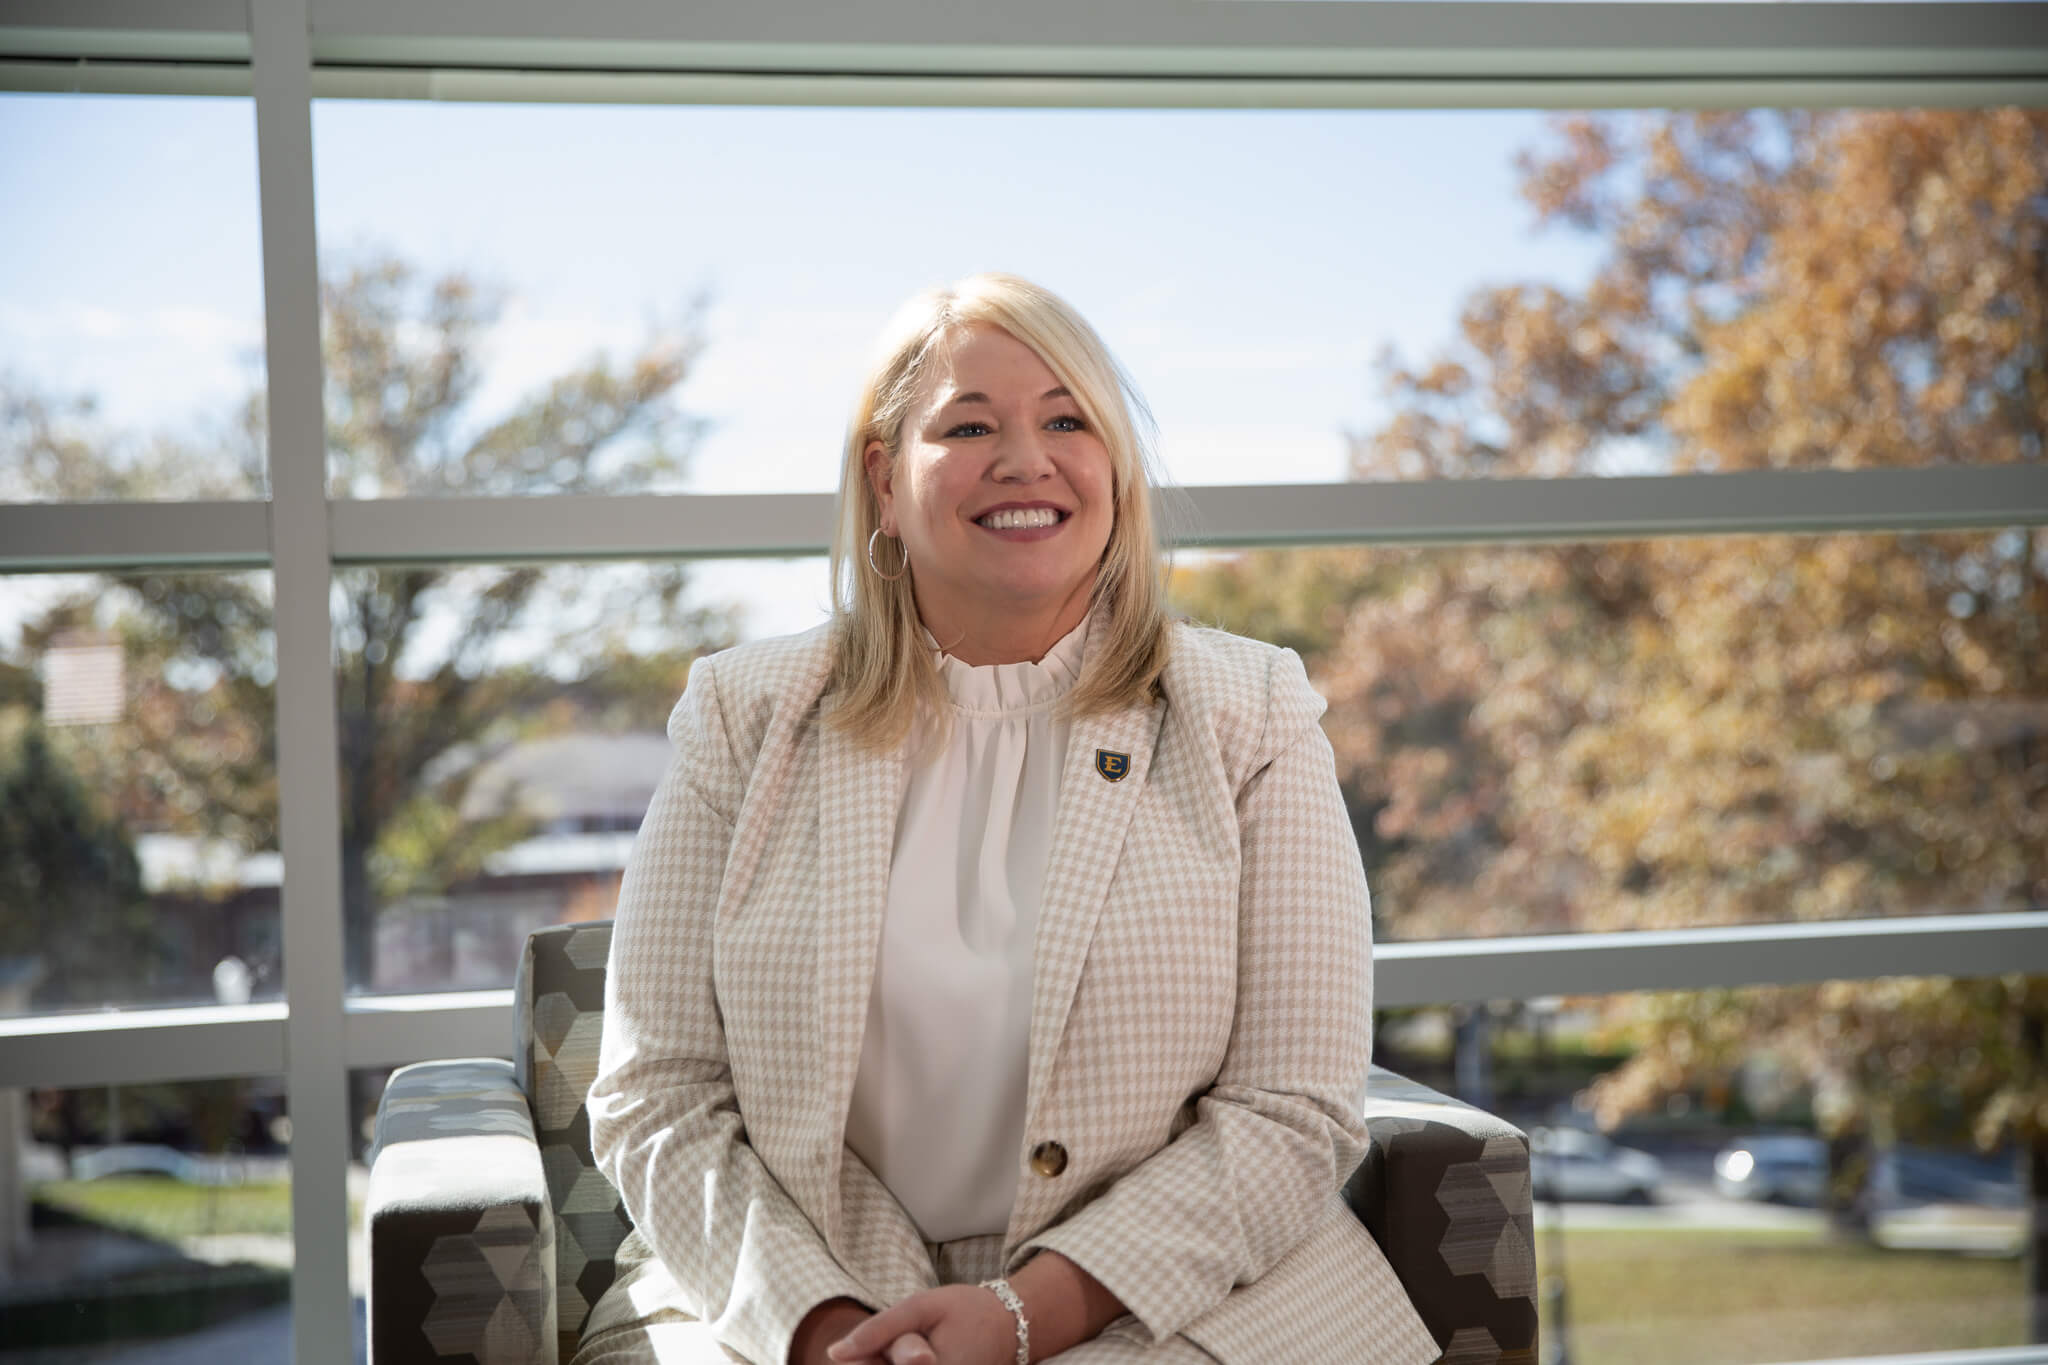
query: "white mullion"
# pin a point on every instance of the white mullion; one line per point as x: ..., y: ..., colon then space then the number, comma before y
x: 395, y: 1030
x: 135, y: 1047
x: 316, y: 1075
x: 494, y: 530
x: 1462, y: 511
x: 1162, y: 38
x: 56, y: 76
x: 77, y: 537
x: 127, y: 30
x: 1150, y: 38
x: 81, y: 537
x: 392, y: 1030
x: 226, y: 79
x: 1142, y: 53
x: 1763, y: 502
x: 1113, y: 92
x: 1518, y: 968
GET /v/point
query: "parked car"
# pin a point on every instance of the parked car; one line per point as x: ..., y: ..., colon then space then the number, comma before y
x: 1786, y: 1169
x: 1572, y: 1163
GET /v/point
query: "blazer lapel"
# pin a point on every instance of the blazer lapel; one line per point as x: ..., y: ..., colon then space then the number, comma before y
x: 1108, y: 759
x: 858, y: 794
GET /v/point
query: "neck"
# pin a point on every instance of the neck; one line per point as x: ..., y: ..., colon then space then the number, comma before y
x: 1005, y: 635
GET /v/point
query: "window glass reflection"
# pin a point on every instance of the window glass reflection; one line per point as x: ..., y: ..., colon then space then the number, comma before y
x: 502, y: 731
x: 131, y: 361
x: 1673, y: 733
x: 155, y: 1219
x: 1783, y: 1173
x: 139, y: 862
x: 1607, y: 292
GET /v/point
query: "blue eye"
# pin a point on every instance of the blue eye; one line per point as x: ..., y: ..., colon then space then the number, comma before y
x: 1079, y: 425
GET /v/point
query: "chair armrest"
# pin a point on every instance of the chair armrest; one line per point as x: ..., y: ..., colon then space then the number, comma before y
x: 1444, y: 1189
x: 461, y: 1238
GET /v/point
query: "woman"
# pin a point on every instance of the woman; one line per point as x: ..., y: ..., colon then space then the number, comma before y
x: 991, y: 976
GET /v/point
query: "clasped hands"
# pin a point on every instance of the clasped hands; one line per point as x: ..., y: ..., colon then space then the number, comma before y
x: 961, y: 1324
x: 956, y: 1324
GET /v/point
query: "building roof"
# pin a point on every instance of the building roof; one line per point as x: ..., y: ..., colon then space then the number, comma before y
x: 570, y: 777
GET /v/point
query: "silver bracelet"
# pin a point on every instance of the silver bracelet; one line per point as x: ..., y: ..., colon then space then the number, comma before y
x: 1016, y: 1306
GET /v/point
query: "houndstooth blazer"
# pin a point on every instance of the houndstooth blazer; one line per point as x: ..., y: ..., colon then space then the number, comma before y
x: 1200, y: 1031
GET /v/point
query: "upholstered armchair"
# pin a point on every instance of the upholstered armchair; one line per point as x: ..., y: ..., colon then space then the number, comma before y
x: 491, y: 1232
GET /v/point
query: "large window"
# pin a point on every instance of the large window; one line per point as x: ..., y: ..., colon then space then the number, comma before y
x: 1594, y: 293
x: 158, y: 1215
x: 502, y: 731
x: 1665, y: 734
x: 1728, y: 1177
x: 138, y: 825
x: 1673, y: 733
x: 131, y: 299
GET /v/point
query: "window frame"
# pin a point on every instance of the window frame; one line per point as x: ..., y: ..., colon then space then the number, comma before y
x: 1060, y: 53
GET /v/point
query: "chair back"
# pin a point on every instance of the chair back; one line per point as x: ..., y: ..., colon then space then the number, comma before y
x: 559, y: 998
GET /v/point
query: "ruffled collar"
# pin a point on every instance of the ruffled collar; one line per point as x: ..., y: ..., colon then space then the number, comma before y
x: 992, y: 688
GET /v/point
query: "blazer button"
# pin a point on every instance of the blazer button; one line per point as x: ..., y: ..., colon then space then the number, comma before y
x: 1048, y: 1159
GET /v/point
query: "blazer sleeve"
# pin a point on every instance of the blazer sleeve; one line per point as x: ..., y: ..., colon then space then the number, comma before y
x: 1280, y: 1128
x: 665, y: 1127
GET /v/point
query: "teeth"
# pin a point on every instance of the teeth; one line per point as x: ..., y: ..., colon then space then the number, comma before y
x: 1016, y: 518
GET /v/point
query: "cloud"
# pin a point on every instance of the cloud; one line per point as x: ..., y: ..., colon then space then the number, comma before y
x: 92, y: 322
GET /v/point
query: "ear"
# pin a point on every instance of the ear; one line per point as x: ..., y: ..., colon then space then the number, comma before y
x: 881, y: 478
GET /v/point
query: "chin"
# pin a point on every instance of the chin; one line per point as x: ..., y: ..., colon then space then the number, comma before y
x: 1016, y: 595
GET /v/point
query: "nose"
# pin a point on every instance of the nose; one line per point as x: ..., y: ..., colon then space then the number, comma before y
x: 1021, y: 455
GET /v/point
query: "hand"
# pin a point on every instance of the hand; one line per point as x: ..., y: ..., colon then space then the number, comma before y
x: 822, y: 1326
x: 958, y: 1324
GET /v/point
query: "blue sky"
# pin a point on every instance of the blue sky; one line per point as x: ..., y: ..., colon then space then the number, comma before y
x: 1245, y: 265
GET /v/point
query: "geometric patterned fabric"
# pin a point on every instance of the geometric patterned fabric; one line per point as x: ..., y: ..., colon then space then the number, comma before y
x: 462, y: 1246
x: 560, y: 1001
x: 1444, y: 1188
x: 490, y: 1243
x: 497, y: 1262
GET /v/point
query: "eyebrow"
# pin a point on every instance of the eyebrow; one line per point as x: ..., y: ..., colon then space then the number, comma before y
x: 1059, y: 391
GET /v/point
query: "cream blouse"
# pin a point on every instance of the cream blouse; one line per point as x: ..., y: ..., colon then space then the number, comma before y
x: 938, y: 1101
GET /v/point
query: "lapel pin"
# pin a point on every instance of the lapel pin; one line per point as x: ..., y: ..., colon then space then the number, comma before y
x: 1112, y: 766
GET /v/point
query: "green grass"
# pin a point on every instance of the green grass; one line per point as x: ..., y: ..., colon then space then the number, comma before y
x: 1718, y: 1297
x: 169, y: 1210
x: 174, y: 1296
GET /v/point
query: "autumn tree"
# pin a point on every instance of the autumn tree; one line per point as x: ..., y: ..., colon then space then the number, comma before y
x: 401, y: 365
x: 1695, y: 732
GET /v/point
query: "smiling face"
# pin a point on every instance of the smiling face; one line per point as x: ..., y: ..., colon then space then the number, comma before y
x: 1004, y: 499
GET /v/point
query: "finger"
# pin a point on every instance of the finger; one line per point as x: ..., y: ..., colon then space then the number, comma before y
x: 911, y: 1349
x: 873, y: 1336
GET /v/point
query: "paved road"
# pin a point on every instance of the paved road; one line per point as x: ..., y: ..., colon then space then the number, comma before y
x: 1689, y: 1203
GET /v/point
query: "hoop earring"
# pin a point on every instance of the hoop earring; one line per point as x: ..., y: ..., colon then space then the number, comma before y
x: 885, y: 577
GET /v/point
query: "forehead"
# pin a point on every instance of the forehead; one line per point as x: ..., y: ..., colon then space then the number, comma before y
x: 984, y: 358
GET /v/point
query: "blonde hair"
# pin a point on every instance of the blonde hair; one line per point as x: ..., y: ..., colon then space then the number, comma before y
x: 882, y: 672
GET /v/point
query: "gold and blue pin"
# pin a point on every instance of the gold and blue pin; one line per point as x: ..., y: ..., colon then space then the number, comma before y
x: 1112, y: 765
